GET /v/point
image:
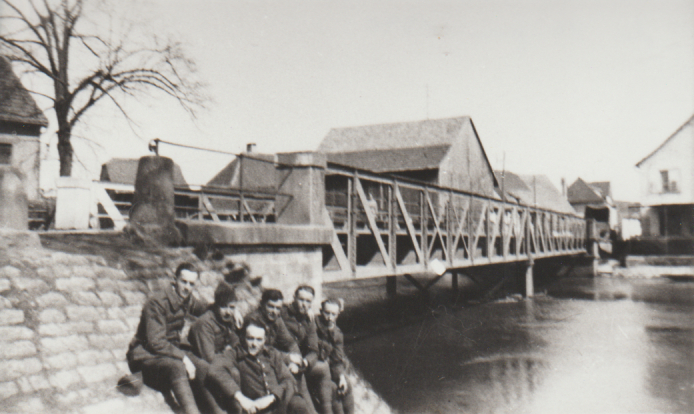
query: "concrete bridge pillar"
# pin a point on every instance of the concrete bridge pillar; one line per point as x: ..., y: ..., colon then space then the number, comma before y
x: 302, y: 174
x: 529, y: 282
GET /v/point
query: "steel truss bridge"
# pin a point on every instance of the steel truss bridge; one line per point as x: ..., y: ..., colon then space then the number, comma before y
x: 391, y: 226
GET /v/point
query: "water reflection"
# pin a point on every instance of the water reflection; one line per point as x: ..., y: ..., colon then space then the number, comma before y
x: 629, y: 348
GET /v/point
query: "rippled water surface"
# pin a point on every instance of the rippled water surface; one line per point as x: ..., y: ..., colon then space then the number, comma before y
x: 590, y: 346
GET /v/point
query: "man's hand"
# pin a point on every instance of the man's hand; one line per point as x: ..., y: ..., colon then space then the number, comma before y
x: 296, y: 359
x: 246, y: 403
x: 342, y: 385
x: 293, y: 368
x: 190, y: 367
x: 238, y: 319
x: 264, y: 402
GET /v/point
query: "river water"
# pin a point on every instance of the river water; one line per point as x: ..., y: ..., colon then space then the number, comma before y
x: 602, y: 345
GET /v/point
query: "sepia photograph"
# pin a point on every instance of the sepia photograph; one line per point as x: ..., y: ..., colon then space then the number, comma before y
x: 346, y: 207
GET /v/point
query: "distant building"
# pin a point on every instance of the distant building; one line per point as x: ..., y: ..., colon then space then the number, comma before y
x: 445, y: 152
x: 667, y: 186
x: 250, y: 171
x: 124, y: 171
x: 597, y: 195
x: 21, y: 121
x: 532, y: 190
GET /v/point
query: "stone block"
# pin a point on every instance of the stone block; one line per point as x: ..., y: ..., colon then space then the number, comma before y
x: 132, y: 285
x: 5, y: 303
x: 84, y: 271
x: 51, y: 316
x: 8, y: 389
x: 39, y: 382
x: 93, y: 357
x: 84, y: 313
x: 74, y: 284
x: 15, y: 368
x: 24, y: 385
x: 52, y: 346
x: 51, y: 299
x: 116, y: 313
x: 69, y: 399
x: 14, y: 333
x: 122, y: 368
x: 18, y: 349
x: 60, y: 361
x: 85, y: 298
x: 133, y: 311
x: 108, y: 285
x: 118, y: 341
x: 97, y: 260
x: 114, y: 405
x: 4, y: 285
x: 68, y: 259
x: 110, y: 273
x: 134, y: 298
x: 10, y: 271
x: 31, y: 406
x: 97, y: 373
x: 64, y: 379
x: 110, y: 299
x: 111, y: 326
x: 119, y: 354
x: 132, y: 323
x: 29, y: 283
x: 66, y: 328
x: 11, y: 316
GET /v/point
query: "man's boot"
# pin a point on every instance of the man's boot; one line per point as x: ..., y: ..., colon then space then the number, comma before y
x: 184, y: 395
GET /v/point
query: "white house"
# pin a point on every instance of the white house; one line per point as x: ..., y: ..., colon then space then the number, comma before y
x: 667, y: 186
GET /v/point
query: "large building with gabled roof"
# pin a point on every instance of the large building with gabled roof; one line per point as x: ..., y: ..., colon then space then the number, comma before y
x: 667, y: 186
x: 445, y: 152
x: 21, y: 122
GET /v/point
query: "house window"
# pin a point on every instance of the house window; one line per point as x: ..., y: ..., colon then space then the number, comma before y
x: 669, y: 180
x: 5, y: 154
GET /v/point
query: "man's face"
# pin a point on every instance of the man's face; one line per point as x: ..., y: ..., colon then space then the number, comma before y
x: 302, y: 301
x: 255, y: 339
x: 273, y: 309
x: 330, y: 312
x: 226, y: 312
x: 185, y: 282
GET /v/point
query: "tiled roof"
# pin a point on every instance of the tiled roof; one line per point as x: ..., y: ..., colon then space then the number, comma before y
x: 690, y: 121
x: 434, y: 132
x: 259, y: 172
x: 581, y: 193
x: 603, y: 187
x: 124, y: 171
x: 534, y: 190
x: 392, y: 160
x: 16, y: 104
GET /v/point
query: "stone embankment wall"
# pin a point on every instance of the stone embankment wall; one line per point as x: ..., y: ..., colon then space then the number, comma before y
x: 66, y: 320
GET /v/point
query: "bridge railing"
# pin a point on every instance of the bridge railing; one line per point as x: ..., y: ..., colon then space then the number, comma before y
x: 389, y: 226
x: 192, y: 203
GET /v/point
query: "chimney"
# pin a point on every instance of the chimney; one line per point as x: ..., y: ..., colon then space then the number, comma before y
x: 563, y: 187
x: 250, y: 147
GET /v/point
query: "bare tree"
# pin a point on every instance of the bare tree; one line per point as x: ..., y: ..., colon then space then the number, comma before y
x: 46, y: 36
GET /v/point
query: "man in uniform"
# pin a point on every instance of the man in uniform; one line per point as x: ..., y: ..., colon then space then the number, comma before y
x: 299, y: 321
x: 254, y: 376
x: 216, y: 329
x: 156, y: 348
x: 277, y: 335
x: 331, y: 349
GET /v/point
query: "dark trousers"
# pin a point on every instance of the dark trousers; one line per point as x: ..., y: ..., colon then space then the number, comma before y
x: 320, y: 387
x: 169, y: 374
x: 343, y: 404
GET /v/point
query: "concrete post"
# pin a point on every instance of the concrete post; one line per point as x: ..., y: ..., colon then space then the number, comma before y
x: 302, y: 175
x: 13, y: 201
x: 152, y: 215
x: 529, y: 285
x: 73, y: 204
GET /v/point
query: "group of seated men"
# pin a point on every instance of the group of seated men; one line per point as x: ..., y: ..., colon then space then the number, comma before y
x: 278, y: 359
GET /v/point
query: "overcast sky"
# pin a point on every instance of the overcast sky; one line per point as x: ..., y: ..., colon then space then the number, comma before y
x: 565, y: 88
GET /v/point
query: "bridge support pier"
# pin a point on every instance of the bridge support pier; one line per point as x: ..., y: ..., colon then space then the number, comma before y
x: 454, y: 284
x: 391, y: 287
x: 529, y: 283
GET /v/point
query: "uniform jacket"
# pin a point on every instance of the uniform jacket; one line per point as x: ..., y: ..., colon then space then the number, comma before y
x: 209, y: 335
x: 161, y: 323
x: 262, y: 375
x: 277, y: 334
x: 303, y: 330
x: 331, y: 347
